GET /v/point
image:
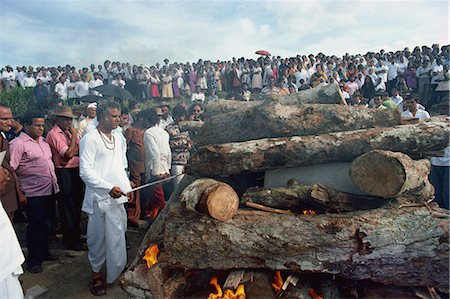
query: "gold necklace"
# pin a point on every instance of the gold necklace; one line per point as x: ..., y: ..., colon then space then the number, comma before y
x: 111, y: 145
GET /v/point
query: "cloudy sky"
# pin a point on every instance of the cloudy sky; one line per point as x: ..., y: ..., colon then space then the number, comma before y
x: 82, y: 32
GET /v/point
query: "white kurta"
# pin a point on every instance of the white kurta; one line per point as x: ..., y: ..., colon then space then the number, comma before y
x: 101, y: 169
x: 158, y: 156
x: 11, y: 259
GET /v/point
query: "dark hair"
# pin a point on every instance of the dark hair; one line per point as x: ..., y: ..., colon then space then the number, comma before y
x: 179, y: 110
x: 29, y: 116
x: 150, y: 116
x: 124, y: 110
x: 104, y: 107
x: 4, y: 106
x: 414, y: 97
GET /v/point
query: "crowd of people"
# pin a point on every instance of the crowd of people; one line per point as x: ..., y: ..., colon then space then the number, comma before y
x: 424, y: 71
x: 92, y: 160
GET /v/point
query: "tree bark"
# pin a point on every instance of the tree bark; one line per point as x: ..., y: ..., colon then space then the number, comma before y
x: 299, y: 197
x: 390, y: 175
x: 263, y: 154
x: 328, y: 94
x: 400, y: 246
x: 210, y: 197
x: 275, y: 120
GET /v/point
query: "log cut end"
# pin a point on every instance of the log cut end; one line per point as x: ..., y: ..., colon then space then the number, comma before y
x: 378, y: 174
x: 222, y: 203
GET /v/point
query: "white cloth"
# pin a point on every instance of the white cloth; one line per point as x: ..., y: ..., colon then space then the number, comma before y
x: 82, y: 89
x: 61, y: 90
x: 442, y: 161
x: 93, y: 84
x: 106, y: 240
x: 419, y: 114
x: 392, y: 71
x: 28, y: 82
x: 101, y: 169
x: 163, y: 123
x: 382, y: 71
x: 158, y: 156
x: 11, y: 259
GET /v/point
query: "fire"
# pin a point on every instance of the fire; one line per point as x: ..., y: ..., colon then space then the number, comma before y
x: 309, y: 212
x: 151, y: 255
x: 229, y: 294
x: 277, y: 281
x: 314, y: 295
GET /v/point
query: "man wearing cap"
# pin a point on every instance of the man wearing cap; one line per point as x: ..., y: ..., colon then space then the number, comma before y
x: 64, y: 143
x: 91, y: 112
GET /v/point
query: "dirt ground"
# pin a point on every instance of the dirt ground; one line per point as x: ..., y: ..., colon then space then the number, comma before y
x: 69, y: 276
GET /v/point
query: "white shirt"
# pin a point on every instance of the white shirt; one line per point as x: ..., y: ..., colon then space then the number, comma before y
x: 392, y: 71
x: 419, y: 114
x: 61, y: 89
x: 442, y: 161
x: 198, y: 97
x: 158, y: 156
x: 8, y: 75
x: 93, y: 84
x: 101, y: 169
x: 163, y: 123
x: 383, y: 75
x: 397, y: 100
x: 28, y: 82
x: 82, y: 88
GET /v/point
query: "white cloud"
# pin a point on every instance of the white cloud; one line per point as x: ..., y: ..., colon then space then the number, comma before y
x: 144, y: 32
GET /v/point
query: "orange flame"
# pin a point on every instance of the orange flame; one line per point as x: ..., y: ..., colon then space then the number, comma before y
x: 151, y: 255
x: 229, y: 294
x: 309, y: 212
x: 314, y: 295
x: 277, y: 281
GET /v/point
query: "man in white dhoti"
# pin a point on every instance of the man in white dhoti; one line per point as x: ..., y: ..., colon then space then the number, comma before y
x: 101, y: 168
x: 11, y: 258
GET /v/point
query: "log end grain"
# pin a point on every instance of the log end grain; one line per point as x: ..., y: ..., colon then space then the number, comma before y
x: 222, y: 203
x: 378, y: 174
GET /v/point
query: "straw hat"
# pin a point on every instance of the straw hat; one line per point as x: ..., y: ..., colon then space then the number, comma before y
x: 64, y: 112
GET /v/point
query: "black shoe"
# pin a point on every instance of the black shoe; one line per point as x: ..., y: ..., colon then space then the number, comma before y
x: 34, y: 269
x: 79, y: 247
x: 50, y: 257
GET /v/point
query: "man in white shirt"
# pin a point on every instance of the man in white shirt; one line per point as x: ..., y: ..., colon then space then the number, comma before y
x: 101, y: 169
x: 29, y: 81
x: 62, y: 89
x: 391, y: 74
x: 9, y: 78
x: 158, y: 159
x: 381, y: 70
x: 166, y: 118
x: 412, y: 110
x: 98, y: 80
x: 82, y: 87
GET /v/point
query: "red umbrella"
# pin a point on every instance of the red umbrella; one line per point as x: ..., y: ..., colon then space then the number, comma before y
x: 263, y: 53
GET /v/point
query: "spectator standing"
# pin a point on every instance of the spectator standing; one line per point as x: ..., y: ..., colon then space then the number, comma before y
x: 101, y: 169
x: 10, y: 196
x: 31, y: 157
x: 9, y: 78
x: 64, y: 143
x: 412, y: 109
x: 157, y: 163
x: 90, y: 115
x: 423, y: 75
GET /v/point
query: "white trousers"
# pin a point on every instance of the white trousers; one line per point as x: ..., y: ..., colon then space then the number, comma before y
x: 106, y: 240
x: 10, y: 287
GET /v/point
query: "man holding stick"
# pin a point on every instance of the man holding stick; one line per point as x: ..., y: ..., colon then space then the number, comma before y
x: 101, y: 169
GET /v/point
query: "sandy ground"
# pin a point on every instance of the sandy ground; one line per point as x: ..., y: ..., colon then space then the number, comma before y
x: 69, y: 276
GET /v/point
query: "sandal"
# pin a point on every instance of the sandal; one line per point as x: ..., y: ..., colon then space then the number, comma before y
x: 97, y: 286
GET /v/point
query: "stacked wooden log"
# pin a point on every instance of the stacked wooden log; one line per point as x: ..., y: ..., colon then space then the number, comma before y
x: 393, y: 234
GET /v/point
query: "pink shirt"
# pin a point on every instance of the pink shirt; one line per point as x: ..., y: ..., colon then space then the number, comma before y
x: 34, y: 167
x: 59, y: 144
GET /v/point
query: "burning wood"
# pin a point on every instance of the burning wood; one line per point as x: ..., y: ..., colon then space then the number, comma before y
x: 151, y: 255
x: 309, y: 212
x: 314, y: 295
x: 277, y: 281
x: 228, y: 294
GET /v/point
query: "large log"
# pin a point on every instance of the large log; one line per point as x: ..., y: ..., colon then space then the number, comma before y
x: 392, y: 175
x: 328, y: 94
x: 275, y: 120
x: 263, y: 154
x: 299, y: 197
x: 212, y: 198
x: 401, y: 246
